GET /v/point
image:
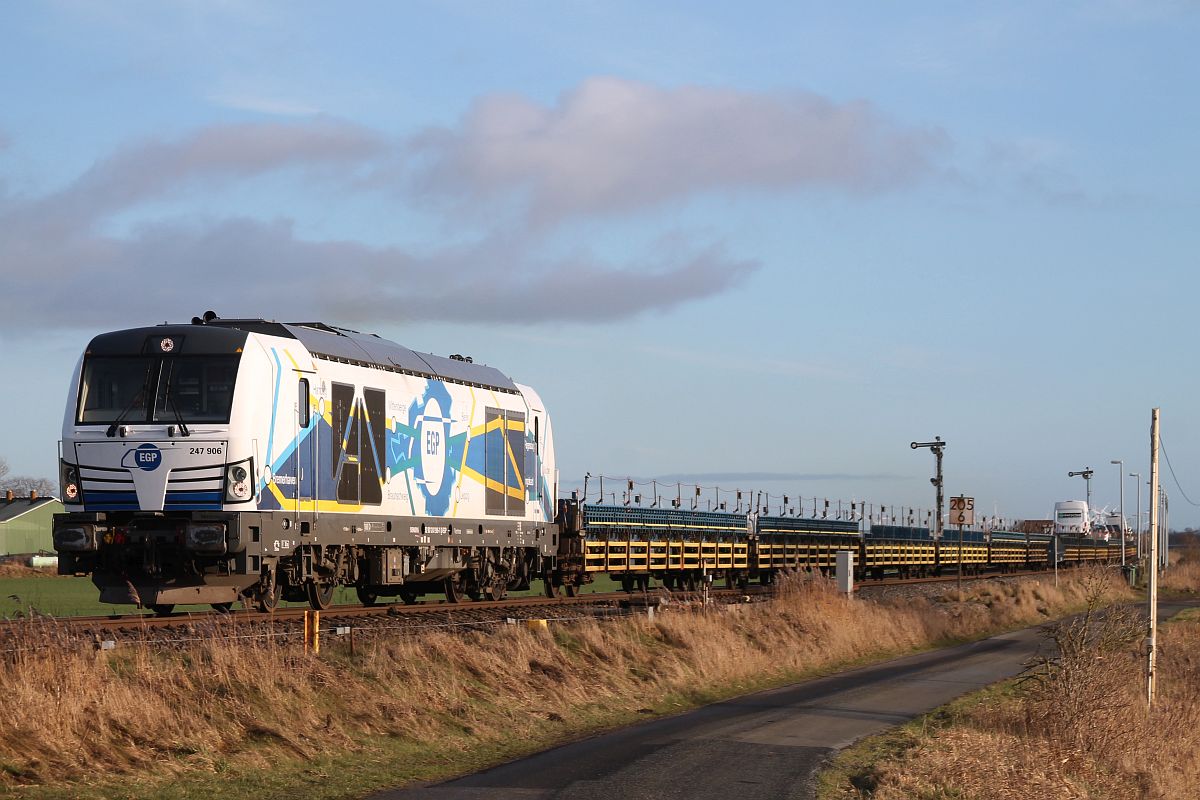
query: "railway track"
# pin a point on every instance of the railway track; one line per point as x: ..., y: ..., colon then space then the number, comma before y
x: 40, y: 630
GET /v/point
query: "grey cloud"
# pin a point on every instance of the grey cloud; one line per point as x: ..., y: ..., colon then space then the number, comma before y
x: 147, y: 170
x: 612, y: 145
x: 244, y: 267
x: 609, y: 145
x: 57, y: 246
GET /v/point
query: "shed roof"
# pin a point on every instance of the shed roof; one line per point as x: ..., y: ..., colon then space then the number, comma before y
x: 21, y: 505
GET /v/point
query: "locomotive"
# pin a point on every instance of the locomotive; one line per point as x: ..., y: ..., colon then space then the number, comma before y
x: 250, y: 460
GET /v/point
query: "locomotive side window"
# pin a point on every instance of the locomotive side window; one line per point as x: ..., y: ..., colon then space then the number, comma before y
x: 305, y: 407
x: 344, y: 451
x: 373, y: 456
x: 515, y: 457
x: 494, y: 445
x: 532, y: 473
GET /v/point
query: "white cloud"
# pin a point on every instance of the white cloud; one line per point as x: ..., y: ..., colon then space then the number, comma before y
x: 613, y: 145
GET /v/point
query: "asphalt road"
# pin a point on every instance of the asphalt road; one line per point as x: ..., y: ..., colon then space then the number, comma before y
x: 765, y: 745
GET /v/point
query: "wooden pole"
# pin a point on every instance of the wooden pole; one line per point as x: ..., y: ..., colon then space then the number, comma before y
x: 1151, y: 643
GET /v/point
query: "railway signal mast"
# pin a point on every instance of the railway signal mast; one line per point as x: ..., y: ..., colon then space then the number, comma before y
x: 938, y: 447
x: 1085, y: 473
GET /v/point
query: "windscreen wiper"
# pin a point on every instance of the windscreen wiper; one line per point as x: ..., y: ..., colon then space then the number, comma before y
x: 183, y: 428
x: 116, y: 423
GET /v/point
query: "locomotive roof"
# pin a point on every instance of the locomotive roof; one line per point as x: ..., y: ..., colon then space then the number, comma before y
x: 343, y: 344
x: 321, y: 340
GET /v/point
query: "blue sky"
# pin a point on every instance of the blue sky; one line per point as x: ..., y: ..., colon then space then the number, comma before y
x: 761, y: 246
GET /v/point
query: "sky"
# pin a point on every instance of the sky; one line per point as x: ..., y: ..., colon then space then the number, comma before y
x: 760, y: 246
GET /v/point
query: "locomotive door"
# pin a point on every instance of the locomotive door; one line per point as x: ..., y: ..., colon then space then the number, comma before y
x: 306, y: 445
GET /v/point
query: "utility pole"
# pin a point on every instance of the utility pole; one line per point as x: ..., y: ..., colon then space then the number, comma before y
x: 938, y: 447
x: 1165, y: 524
x: 1151, y: 653
x: 1138, y: 526
x: 1121, y: 480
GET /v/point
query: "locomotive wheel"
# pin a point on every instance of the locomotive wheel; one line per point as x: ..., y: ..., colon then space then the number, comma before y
x: 454, y: 588
x: 486, y: 581
x: 268, y: 599
x: 320, y: 595
x: 163, y: 609
x: 366, y: 595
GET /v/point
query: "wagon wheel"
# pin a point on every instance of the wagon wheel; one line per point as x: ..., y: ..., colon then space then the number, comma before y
x: 320, y: 595
x: 162, y: 609
x: 366, y: 595
x: 556, y: 587
x: 453, y: 587
x: 408, y: 596
x: 627, y: 583
x: 222, y: 608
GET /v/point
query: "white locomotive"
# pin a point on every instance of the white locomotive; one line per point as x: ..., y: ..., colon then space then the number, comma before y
x: 251, y: 460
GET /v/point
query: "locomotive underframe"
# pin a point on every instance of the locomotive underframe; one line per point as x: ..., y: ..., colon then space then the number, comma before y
x: 158, y: 559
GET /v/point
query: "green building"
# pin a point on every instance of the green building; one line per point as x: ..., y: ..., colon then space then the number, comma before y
x: 27, y: 524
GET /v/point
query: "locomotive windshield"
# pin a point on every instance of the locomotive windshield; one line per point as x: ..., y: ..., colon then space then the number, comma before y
x: 140, y: 389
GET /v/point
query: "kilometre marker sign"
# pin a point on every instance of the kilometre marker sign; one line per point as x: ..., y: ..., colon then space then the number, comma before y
x: 962, y: 510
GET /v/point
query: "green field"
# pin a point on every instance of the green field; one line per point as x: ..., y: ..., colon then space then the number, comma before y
x: 67, y: 596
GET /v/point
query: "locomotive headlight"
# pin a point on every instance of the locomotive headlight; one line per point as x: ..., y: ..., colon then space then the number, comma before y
x: 205, y: 537
x: 70, y: 538
x: 238, y: 487
x: 69, y: 475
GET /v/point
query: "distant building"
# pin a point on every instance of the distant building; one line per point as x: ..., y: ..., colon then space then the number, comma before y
x: 27, y: 523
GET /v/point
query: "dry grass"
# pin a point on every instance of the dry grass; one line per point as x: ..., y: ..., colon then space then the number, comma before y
x: 15, y: 569
x: 1076, y: 727
x: 88, y: 716
x: 1184, y: 574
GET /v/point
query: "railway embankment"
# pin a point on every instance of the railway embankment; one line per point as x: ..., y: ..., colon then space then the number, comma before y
x: 264, y: 718
x: 1077, y: 725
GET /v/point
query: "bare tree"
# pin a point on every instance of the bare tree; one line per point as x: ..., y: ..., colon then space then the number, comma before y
x: 22, y: 485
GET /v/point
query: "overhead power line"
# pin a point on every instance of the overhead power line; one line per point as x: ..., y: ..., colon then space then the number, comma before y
x: 1163, y: 445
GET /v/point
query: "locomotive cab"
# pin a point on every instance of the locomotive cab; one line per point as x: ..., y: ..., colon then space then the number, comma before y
x: 152, y: 469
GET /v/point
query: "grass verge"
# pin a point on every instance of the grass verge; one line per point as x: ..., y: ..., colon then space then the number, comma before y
x: 234, y: 718
x: 1075, y: 726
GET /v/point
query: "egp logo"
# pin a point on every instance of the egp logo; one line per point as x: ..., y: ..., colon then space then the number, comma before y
x: 146, y: 457
x: 431, y: 427
x: 430, y: 449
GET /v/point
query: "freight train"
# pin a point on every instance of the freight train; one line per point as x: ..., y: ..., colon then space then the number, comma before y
x: 252, y: 460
